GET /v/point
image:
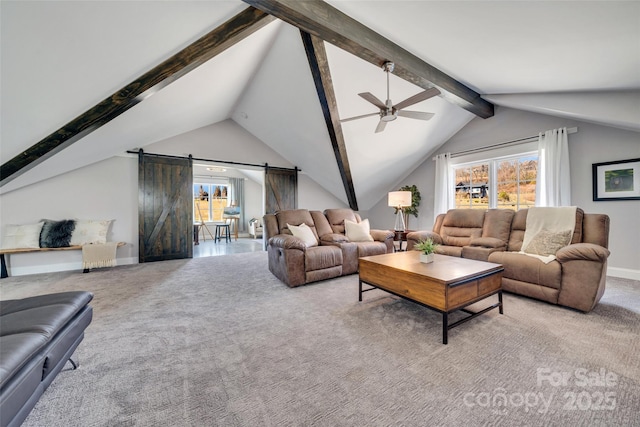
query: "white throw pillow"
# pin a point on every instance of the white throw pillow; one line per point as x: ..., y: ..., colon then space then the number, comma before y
x: 22, y: 236
x: 304, y: 233
x: 357, y: 232
x: 90, y: 231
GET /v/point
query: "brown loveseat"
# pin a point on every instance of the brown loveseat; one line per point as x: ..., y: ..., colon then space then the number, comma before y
x: 576, y: 278
x: 331, y: 255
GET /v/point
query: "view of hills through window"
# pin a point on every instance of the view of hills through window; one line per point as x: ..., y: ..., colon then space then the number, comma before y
x: 512, y: 187
x: 209, y: 201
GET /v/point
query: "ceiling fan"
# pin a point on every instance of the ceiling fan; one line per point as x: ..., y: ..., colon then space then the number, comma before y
x: 389, y: 112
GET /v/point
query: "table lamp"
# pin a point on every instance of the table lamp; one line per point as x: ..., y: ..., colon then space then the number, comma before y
x: 398, y: 200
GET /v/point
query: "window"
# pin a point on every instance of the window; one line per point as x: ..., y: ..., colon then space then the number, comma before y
x: 209, y: 201
x: 472, y: 186
x: 505, y: 183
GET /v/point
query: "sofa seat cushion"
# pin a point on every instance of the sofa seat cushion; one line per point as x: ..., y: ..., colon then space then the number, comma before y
x: 321, y: 257
x: 449, y: 250
x: 524, y: 268
x: 16, y: 350
x: 27, y: 325
x: 371, y: 248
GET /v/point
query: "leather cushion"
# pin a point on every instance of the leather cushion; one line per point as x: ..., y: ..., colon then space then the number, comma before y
x: 320, y: 257
x: 528, y: 269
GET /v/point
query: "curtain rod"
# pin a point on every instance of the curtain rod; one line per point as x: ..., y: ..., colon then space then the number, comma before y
x: 228, y: 162
x: 501, y: 144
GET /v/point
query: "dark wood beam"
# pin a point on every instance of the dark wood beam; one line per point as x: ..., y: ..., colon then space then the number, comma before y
x: 323, y: 20
x: 223, y: 37
x: 317, y: 56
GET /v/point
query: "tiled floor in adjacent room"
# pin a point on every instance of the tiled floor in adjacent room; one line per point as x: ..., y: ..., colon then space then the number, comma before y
x: 207, y: 248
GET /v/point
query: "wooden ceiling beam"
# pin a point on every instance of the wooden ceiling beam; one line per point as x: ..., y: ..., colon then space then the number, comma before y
x: 210, y: 45
x: 323, y: 20
x: 317, y: 56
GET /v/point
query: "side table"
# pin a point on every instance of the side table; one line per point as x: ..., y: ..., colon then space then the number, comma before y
x: 400, y: 236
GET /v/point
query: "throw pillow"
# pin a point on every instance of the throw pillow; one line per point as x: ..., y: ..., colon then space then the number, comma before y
x: 89, y: 231
x: 56, y: 234
x: 304, y: 233
x: 548, y: 242
x: 22, y: 236
x: 357, y: 232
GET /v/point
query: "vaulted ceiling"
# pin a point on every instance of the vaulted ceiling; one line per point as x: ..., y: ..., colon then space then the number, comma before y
x: 60, y: 59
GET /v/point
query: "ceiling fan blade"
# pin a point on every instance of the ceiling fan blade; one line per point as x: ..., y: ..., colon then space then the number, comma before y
x: 367, y: 96
x: 429, y: 93
x: 359, y: 117
x: 415, y: 114
x: 381, y: 125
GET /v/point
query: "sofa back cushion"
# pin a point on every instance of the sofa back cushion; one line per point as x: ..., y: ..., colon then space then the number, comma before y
x: 322, y: 225
x: 295, y: 217
x: 459, y: 226
x: 595, y: 229
x: 519, y: 225
x: 497, y: 224
x: 438, y: 224
x: 336, y: 218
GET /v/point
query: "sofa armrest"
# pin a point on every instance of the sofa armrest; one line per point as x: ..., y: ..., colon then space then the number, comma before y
x: 582, y: 251
x: 286, y: 241
x: 488, y: 242
x: 333, y: 238
x: 381, y: 235
x: 584, y: 271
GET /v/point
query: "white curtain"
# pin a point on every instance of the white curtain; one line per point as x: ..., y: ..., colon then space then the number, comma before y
x: 553, y: 185
x: 236, y: 197
x: 444, y: 193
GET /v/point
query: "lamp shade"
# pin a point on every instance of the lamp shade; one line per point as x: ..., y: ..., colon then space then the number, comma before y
x: 399, y: 198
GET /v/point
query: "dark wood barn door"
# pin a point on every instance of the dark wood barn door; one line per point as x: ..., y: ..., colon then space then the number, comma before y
x: 165, y: 208
x: 281, y: 186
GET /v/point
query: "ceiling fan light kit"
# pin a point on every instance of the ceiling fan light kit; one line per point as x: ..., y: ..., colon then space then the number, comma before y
x: 389, y: 112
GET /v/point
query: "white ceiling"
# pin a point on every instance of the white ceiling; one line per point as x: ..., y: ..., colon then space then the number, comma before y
x: 570, y: 59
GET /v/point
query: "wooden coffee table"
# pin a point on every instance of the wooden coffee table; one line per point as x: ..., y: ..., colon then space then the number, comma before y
x: 445, y: 285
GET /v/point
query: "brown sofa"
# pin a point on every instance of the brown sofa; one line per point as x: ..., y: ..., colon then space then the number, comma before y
x: 576, y: 278
x: 295, y: 263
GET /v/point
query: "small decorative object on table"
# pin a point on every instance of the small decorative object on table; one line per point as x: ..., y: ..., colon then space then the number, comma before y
x: 427, y: 247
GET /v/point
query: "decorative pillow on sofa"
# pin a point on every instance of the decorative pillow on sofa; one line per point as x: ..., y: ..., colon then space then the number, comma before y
x: 357, y: 232
x: 22, y: 236
x: 56, y: 234
x: 548, y: 242
x: 304, y: 233
x: 90, y: 231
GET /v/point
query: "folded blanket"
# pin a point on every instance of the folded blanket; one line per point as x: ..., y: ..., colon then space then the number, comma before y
x: 542, y: 224
x: 99, y: 255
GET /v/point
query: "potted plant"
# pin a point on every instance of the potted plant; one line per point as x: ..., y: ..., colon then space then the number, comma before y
x: 427, y: 248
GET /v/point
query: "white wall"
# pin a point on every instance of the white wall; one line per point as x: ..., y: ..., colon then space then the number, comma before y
x: 104, y: 190
x: 592, y: 144
x: 109, y: 190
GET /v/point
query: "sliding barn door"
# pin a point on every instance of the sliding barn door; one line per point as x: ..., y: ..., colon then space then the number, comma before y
x: 165, y: 208
x: 282, y: 189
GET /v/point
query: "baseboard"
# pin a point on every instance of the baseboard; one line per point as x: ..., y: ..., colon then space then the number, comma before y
x: 54, y: 268
x: 623, y: 273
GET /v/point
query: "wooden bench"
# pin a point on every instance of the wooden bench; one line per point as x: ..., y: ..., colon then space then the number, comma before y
x: 3, y: 268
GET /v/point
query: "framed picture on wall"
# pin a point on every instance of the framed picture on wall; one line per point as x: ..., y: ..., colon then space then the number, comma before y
x: 618, y: 180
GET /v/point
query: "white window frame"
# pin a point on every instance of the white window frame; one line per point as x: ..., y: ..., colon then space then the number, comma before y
x: 496, y: 156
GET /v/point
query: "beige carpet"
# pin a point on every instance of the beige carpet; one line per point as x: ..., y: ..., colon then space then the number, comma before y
x: 220, y: 342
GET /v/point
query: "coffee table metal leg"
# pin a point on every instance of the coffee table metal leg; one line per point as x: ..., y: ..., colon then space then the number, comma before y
x: 359, y: 290
x: 500, y: 301
x: 445, y: 328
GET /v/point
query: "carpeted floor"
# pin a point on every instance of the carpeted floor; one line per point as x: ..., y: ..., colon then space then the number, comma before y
x: 221, y: 342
